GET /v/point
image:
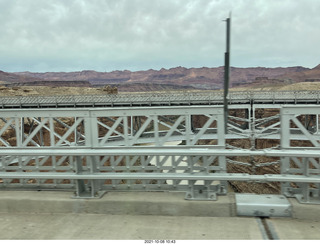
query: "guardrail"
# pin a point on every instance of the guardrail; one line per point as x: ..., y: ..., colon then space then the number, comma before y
x: 94, y: 150
x: 154, y: 99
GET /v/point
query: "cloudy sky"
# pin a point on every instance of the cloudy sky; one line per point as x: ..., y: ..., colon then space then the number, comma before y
x: 106, y: 35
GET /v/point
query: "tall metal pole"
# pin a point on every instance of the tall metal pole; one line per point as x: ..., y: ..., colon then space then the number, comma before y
x: 227, y: 72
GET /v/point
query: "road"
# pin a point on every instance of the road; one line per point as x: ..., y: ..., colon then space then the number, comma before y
x: 31, y: 215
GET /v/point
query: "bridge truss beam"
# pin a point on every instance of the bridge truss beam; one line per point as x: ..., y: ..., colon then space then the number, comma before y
x: 93, y: 150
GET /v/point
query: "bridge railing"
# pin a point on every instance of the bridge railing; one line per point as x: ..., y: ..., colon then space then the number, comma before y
x: 167, y: 98
x: 182, y: 148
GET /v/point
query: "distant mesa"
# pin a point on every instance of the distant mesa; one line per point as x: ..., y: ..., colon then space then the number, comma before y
x: 52, y: 83
x: 173, y: 78
x: 317, y: 67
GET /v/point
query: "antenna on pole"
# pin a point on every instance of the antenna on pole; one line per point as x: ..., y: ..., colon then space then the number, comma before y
x: 227, y: 73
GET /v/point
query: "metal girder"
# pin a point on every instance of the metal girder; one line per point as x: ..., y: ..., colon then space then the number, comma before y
x: 97, y: 127
x: 98, y: 149
x: 292, y: 118
x: 157, y: 151
x: 163, y: 176
x: 156, y: 99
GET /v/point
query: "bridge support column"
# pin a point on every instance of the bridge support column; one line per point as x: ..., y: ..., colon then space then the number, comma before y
x: 89, y: 188
x: 201, y: 192
x: 292, y: 123
x: 208, y: 190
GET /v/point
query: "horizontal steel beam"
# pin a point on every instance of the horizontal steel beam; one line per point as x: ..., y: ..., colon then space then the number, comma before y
x: 156, y: 151
x: 109, y: 111
x: 301, y: 109
x: 162, y: 176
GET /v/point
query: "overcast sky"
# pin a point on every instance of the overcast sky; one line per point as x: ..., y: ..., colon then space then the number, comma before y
x: 107, y: 35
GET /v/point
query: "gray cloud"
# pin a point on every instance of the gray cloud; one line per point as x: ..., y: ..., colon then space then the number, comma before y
x: 104, y: 35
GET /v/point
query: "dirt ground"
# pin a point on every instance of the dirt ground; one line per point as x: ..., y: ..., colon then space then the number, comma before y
x: 302, y: 86
x: 54, y: 91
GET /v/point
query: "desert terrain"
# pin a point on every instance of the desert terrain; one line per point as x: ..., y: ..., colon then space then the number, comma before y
x: 56, y: 91
x: 178, y: 78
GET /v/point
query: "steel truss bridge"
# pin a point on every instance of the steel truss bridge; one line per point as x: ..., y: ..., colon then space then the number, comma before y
x: 160, y: 142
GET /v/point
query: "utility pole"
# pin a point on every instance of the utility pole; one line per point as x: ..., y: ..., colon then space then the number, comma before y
x: 227, y: 73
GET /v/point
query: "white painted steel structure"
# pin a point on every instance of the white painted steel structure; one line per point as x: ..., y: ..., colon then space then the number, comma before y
x: 158, y: 99
x: 121, y: 145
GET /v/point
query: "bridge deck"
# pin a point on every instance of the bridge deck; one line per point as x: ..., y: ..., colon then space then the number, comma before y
x: 162, y: 99
x: 141, y: 216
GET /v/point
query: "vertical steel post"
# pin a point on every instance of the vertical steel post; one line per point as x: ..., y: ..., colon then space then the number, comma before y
x: 227, y: 73
x: 222, y: 160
